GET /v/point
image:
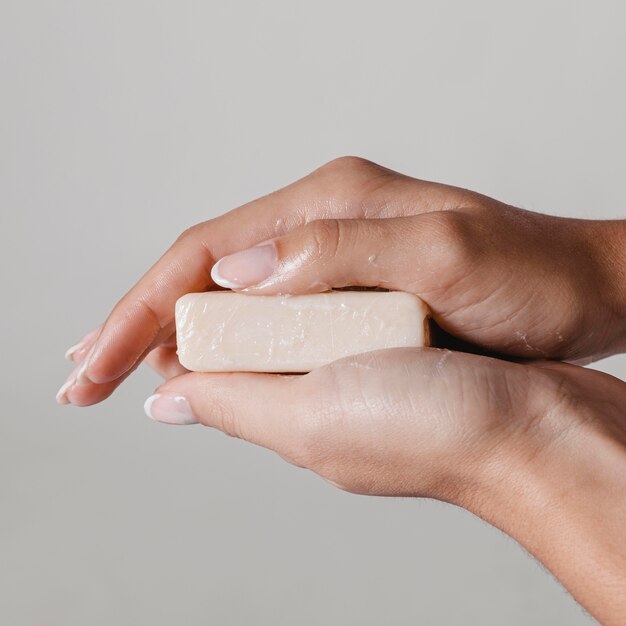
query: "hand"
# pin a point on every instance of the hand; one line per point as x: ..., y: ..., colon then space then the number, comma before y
x: 538, y: 450
x: 509, y: 280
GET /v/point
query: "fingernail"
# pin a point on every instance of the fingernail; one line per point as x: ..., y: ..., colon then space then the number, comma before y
x: 80, y: 346
x: 246, y: 268
x: 73, y: 349
x: 169, y: 409
x: 81, y: 377
x: 61, y: 396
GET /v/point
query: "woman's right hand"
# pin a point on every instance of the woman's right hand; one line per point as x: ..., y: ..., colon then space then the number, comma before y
x: 508, y: 280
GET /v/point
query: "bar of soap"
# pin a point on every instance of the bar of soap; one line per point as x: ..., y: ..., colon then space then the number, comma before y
x: 224, y: 331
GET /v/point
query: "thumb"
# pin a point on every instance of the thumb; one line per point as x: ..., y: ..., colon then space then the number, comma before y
x: 266, y: 414
x: 406, y: 253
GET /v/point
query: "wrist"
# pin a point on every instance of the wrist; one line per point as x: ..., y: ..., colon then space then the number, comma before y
x: 561, y: 493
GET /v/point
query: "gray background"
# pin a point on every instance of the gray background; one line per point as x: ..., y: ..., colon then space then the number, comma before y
x: 121, y: 124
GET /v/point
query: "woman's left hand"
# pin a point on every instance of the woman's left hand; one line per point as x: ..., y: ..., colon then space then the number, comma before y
x: 535, y: 449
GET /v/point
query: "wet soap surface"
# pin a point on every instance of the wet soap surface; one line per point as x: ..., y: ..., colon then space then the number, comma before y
x: 225, y: 331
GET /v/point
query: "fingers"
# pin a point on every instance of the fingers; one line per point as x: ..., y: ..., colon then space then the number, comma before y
x: 396, y: 253
x: 348, y: 187
x: 140, y: 317
x: 79, y: 350
x: 83, y: 392
x: 78, y: 389
x: 164, y: 361
x: 144, y: 317
x: 260, y: 408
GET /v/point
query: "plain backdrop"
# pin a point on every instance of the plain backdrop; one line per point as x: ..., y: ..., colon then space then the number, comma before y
x: 122, y: 123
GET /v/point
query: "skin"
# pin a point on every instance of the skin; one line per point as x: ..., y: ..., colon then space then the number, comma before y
x: 536, y: 447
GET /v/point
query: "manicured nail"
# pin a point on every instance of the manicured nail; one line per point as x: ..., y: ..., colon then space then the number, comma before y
x: 246, y: 268
x: 81, y: 375
x: 73, y: 349
x: 61, y: 396
x: 169, y: 409
x: 73, y: 352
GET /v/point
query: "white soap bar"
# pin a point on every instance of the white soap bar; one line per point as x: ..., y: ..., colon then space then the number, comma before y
x: 223, y: 331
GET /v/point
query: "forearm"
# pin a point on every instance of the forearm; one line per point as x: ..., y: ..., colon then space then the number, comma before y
x: 567, y: 506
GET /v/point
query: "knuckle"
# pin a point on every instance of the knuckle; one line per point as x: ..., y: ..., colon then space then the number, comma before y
x: 226, y: 420
x: 454, y: 239
x: 345, y: 182
x: 190, y: 233
x: 346, y: 164
x: 195, y: 238
x: 325, y: 238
